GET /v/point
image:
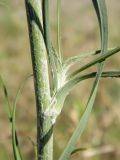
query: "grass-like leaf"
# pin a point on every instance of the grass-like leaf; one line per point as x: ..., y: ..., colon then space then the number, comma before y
x: 78, y: 150
x: 99, y: 59
x: 46, y: 27
x: 64, y: 91
x: 16, y: 148
x: 102, y: 12
x: 61, y: 95
x: 59, y: 28
x: 6, y: 96
x: 54, y: 63
x: 76, y: 59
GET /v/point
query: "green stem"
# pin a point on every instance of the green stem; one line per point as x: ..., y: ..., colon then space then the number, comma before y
x: 59, y: 28
x: 48, y: 43
x: 41, y: 79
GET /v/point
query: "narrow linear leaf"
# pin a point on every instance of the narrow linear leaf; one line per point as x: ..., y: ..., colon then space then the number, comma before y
x: 80, y: 127
x: 78, y: 150
x: 6, y: 97
x: 65, y: 90
x: 16, y: 149
x: 97, y: 9
x: 84, y: 119
x: 48, y: 44
x: 59, y: 28
x: 107, y: 74
x: 10, y: 119
x: 101, y: 58
x: 47, y: 39
x: 75, y: 59
x: 58, y: 62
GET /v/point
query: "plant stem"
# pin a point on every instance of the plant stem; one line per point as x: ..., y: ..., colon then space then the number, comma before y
x: 41, y: 79
x: 59, y: 28
x: 48, y: 43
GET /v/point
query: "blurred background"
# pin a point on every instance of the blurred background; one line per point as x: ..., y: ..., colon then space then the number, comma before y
x: 80, y: 34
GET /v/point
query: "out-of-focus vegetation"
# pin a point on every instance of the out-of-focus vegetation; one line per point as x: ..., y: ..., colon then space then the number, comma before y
x: 79, y: 34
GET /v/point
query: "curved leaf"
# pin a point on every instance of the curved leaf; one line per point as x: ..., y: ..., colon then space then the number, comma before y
x: 51, y: 53
x: 99, y: 59
x: 6, y: 97
x: 78, y: 150
x: 78, y: 58
x: 102, y: 12
x: 16, y: 148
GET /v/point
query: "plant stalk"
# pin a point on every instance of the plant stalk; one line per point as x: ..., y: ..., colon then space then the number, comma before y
x: 41, y: 79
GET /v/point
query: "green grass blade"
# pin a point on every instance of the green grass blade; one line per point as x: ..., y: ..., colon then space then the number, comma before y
x: 97, y: 9
x: 64, y: 91
x: 100, y: 10
x: 78, y: 150
x: 107, y: 74
x: 93, y: 62
x: 80, y: 127
x: 75, y: 59
x: 61, y: 95
x: 6, y: 97
x: 55, y: 59
x: 48, y: 43
x: 16, y: 149
x: 84, y: 119
x: 10, y: 119
x: 59, y: 28
x: 78, y: 58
